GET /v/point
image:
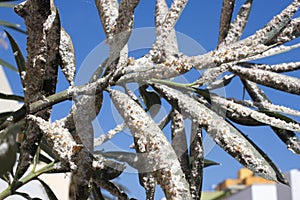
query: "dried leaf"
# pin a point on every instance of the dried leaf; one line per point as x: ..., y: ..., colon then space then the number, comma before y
x: 6, y: 5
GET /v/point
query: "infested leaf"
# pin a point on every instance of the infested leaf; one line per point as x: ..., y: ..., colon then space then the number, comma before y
x: 221, y: 83
x: 271, y: 79
x: 288, y: 137
x: 169, y: 22
x: 225, y: 19
x: 111, y: 169
x: 67, y: 56
x: 171, y: 44
x: 224, y: 134
x: 152, y: 143
x: 288, y: 33
x: 196, y: 160
x: 237, y: 26
x: 130, y: 158
x: 271, y: 118
x: 282, y: 67
x: 57, y: 135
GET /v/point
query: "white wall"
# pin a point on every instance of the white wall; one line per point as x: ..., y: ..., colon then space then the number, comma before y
x: 295, y: 183
x: 245, y: 194
x: 264, y: 192
x: 6, y: 105
x: 256, y: 192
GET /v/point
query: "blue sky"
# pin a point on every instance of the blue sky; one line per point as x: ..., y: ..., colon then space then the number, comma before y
x: 199, y: 21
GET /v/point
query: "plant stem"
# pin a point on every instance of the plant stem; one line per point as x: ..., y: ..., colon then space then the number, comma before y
x: 32, y: 175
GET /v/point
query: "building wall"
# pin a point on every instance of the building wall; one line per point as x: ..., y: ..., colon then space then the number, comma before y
x: 245, y: 194
x: 272, y: 191
x: 295, y: 184
x: 291, y: 192
x: 264, y: 192
x: 6, y: 105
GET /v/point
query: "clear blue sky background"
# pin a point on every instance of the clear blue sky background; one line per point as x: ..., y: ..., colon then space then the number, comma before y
x: 200, y: 21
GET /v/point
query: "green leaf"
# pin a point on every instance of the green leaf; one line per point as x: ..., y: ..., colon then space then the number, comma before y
x: 12, y: 26
x: 18, y: 55
x: 48, y: 190
x: 11, y: 97
x: 151, y: 100
x: 6, y: 5
x: 8, y: 65
x: 97, y: 192
x: 8, y: 151
x: 224, y: 134
x: 208, y: 163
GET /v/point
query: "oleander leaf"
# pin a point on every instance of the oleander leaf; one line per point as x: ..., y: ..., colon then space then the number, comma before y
x: 151, y: 100
x: 154, y: 146
x: 225, y: 19
x: 238, y: 25
x: 20, y: 60
x: 48, y: 190
x: 67, y: 56
x: 224, y: 134
x: 8, y: 65
x: 271, y: 79
x: 11, y: 97
x: 6, y: 5
x: 12, y: 26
